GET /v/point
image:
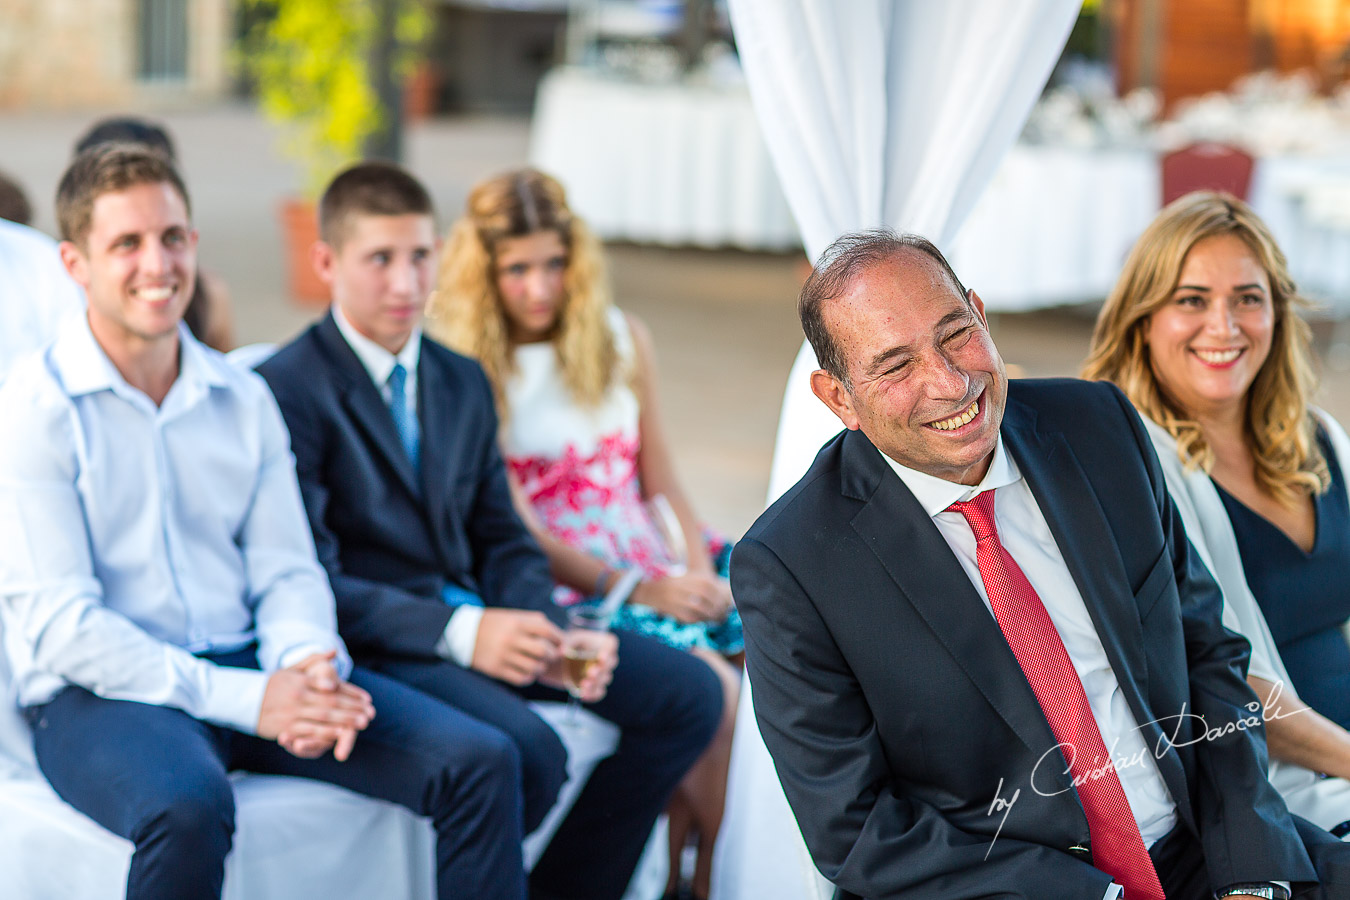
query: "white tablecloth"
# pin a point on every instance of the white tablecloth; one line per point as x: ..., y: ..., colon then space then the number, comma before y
x: 1289, y: 192
x: 686, y: 165
x: 1055, y: 224
x: 663, y: 164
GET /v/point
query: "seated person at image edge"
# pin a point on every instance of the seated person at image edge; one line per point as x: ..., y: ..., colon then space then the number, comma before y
x: 35, y: 292
x: 1203, y: 333
x: 437, y: 581
x: 164, y: 612
x: 979, y: 594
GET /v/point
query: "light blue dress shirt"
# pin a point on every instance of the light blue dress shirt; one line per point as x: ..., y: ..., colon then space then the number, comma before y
x: 133, y: 536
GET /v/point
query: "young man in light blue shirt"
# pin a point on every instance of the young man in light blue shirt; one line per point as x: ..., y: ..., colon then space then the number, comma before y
x: 163, y: 610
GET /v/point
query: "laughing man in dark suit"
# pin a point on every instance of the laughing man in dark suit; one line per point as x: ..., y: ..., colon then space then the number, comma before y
x: 985, y: 659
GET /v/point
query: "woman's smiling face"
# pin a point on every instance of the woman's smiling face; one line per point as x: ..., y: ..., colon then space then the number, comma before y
x: 1207, y: 344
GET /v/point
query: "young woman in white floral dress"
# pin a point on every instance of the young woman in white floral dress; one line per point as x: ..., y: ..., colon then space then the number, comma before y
x: 522, y: 289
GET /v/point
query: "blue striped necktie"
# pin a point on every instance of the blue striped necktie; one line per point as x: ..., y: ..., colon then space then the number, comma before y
x: 404, y: 420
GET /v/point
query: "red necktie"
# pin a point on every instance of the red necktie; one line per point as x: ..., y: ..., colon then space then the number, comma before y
x: 1117, y: 847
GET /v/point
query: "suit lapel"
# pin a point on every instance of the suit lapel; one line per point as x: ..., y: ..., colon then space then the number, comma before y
x: 1073, y: 511
x: 364, y: 404
x: 434, y: 392
x: 895, y: 527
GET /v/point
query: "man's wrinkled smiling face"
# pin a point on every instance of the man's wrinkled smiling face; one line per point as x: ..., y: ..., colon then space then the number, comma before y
x: 926, y: 384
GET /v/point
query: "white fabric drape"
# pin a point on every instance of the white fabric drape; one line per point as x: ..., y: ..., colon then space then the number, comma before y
x: 876, y: 113
x: 886, y: 112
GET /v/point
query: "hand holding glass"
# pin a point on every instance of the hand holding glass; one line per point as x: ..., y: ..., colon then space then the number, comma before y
x: 582, y: 644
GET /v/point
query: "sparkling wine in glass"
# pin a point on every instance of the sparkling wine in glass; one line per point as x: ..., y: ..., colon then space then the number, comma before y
x: 581, y: 650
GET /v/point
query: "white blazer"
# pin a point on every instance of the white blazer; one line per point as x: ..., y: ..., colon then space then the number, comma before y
x: 1323, y: 801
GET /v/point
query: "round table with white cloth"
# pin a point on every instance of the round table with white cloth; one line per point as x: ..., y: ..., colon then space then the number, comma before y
x: 1055, y: 224
x: 685, y: 164
x: 1306, y: 202
x: 673, y: 164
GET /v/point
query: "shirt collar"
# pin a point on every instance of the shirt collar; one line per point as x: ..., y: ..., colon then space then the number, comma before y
x: 379, y: 362
x: 936, y: 494
x: 84, y: 368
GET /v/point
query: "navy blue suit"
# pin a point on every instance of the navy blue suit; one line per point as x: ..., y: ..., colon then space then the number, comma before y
x: 896, y: 712
x: 158, y: 777
x: 391, y: 540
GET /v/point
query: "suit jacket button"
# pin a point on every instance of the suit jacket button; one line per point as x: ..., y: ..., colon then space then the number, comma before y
x: 1082, y: 852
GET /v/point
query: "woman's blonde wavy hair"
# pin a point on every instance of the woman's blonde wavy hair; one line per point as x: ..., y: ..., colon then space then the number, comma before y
x: 1280, y: 426
x: 465, y: 310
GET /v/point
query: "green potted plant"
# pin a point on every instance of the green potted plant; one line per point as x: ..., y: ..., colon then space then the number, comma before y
x: 331, y: 73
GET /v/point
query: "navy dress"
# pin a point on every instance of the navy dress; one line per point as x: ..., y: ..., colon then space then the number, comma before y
x: 1305, y: 596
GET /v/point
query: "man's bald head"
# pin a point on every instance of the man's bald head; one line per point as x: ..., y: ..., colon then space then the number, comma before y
x: 834, y: 273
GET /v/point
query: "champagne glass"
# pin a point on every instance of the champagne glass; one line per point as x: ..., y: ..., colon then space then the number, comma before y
x: 581, y: 651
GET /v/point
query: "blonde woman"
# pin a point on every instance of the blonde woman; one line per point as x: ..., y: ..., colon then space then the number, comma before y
x: 1202, y: 333
x: 522, y: 289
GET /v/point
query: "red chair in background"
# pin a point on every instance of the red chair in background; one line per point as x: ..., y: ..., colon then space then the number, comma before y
x: 1206, y: 166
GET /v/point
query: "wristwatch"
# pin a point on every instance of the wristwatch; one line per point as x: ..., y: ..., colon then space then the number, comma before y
x: 1269, y: 891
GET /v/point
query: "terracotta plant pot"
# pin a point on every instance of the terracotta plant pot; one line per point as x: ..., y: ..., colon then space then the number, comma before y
x: 300, y: 229
x: 419, y: 93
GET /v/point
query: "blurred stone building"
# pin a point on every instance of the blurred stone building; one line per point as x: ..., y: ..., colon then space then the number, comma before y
x: 78, y: 53
x: 490, y: 54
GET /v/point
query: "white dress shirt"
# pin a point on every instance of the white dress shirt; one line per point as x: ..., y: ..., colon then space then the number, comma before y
x: 461, y: 632
x: 1024, y: 533
x: 134, y: 536
x: 36, y: 293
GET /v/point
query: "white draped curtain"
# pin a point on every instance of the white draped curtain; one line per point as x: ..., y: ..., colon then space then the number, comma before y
x: 876, y: 113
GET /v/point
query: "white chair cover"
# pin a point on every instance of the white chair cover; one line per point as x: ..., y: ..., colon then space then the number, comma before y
x: 293, y: 837
x: 876, y: 113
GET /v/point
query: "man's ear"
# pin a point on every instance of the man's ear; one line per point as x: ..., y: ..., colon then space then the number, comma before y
x: 978, y: 305
x: 835, y: 396
x: 76, y: 263
x: 324, y: 260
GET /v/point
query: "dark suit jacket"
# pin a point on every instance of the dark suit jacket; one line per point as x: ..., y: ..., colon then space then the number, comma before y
x: 391, y: 541
x: 895, y: 711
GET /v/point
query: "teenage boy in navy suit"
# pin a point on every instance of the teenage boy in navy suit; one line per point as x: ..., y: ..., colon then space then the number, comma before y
x: 438, y: 583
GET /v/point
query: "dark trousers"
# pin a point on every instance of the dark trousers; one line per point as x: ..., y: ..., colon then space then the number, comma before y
x: 1180, y: 863
x: 667, y: 705
x: 157, y: 777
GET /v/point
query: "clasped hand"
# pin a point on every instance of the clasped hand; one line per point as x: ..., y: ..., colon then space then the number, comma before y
x: 521, y: 647
x: 308, y: 710
x: 688, y: 598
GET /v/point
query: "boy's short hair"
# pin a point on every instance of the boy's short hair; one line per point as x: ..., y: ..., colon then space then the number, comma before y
x: 369, y: 189
x: 105, y: 168
x: 127, y: 130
